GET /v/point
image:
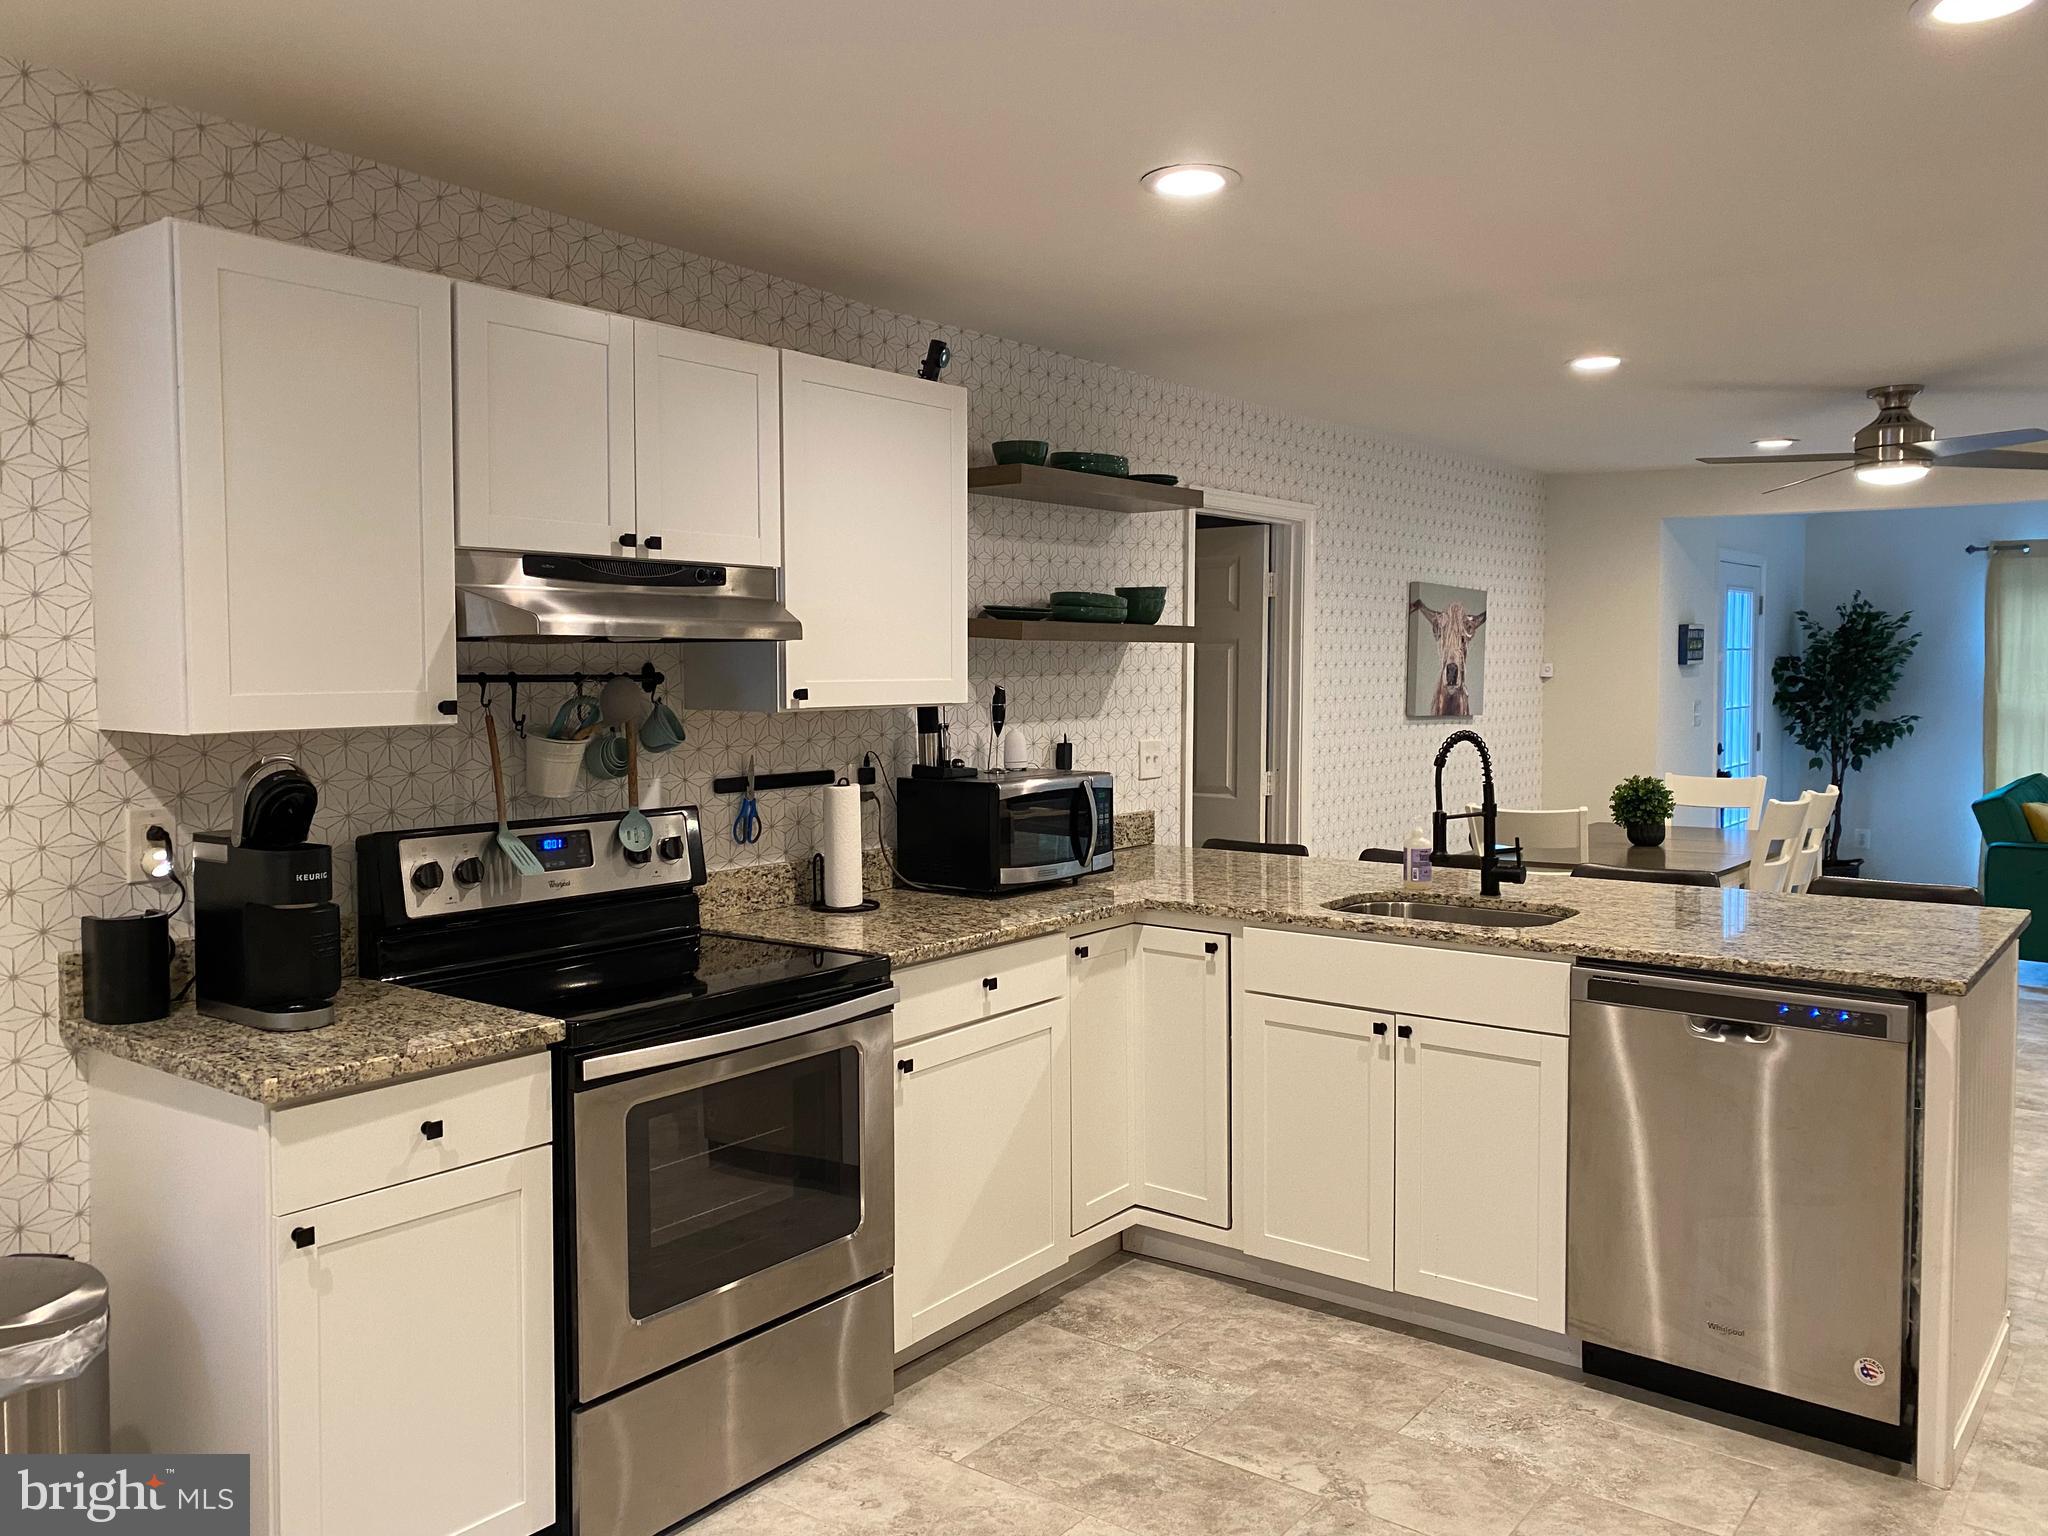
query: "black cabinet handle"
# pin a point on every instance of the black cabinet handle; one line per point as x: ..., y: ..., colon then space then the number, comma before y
x: 1080, y: 951
x: 1379, y: 1026
x: 798, y: 695
x: 988, y: 983
x: 1209, y: 948
x: 654, y: 542
x: 628, y: 540
x: 1405, y: 1031
x: 446, y: 706
x: 906, y: 1065
x: 302, y: 1237
x: 431, y: 1129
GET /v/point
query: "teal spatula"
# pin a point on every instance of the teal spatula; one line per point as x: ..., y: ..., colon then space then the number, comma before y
x: 524, y: 861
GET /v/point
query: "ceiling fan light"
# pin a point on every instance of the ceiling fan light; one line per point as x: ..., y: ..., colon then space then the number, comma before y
x: 1963, y: 13
x: 1773, y: 444
x: 1891, y: 474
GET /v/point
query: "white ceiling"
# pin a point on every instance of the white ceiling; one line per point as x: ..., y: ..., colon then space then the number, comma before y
x: 1765, y: 205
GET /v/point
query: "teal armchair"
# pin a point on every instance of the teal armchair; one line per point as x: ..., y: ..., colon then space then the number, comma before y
x: 2015, y: 861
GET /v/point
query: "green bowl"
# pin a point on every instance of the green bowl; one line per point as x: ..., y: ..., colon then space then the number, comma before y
x: 1021, y: 450
x: 1092, y: 463
x: 1146, y: 603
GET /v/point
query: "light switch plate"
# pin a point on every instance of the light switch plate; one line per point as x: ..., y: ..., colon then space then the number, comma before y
x: 1151, y: 752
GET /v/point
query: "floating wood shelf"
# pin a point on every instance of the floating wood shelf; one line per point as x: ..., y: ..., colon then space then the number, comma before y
x: 1068, y: 629
x: 1071, y: 488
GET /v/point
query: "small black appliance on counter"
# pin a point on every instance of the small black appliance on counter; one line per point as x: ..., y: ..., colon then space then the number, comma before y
x: 127, y: 967
x: 994, y: 833
x: 266, y: 935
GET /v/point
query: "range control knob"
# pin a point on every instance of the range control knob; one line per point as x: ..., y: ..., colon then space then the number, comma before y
x: 638, y: 855
x: 427, y: 876
x: 670, y: 848
x: 469, y: 872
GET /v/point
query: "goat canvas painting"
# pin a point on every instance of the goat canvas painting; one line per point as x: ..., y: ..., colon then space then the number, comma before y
x: 1446, y: 651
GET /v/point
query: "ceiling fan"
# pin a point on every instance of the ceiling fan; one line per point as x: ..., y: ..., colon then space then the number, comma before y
x: 1897, y: 447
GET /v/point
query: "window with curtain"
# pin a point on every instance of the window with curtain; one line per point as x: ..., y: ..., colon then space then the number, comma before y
x: 2015, y: 667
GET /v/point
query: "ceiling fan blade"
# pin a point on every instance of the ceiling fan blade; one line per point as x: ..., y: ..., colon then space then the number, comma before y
x: 1785, y: 458
x: 1951, y: 447
x: 1994, y: 458
x: 1809, y: 479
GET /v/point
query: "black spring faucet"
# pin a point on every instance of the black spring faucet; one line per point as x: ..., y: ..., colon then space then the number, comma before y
x: 1491, y: 871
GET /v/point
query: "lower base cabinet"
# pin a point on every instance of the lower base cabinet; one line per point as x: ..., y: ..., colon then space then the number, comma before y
x: 1479, y: 1159
x: 415, y: 1357
x: 981, y: 1165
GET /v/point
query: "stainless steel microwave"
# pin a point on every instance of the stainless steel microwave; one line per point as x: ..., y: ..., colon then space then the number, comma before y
x: 1001, y: 832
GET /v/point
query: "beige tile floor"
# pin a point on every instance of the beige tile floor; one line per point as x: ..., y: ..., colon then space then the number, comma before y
x: 1145, y: 1399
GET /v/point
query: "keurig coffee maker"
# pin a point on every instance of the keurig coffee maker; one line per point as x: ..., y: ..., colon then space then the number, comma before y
x: 266, y: 933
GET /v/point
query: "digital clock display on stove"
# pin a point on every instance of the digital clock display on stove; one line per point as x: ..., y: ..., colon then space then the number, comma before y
x: 560, y: 850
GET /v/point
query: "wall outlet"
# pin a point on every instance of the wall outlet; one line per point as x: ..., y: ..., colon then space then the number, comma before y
x: 1859, y: 839
x: 1151, y: 754
x: 135, y: 841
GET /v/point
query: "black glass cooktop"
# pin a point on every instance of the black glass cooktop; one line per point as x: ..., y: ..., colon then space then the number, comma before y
x: 680, y: 986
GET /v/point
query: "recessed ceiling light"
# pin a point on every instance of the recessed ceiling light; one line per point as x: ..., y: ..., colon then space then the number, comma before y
x: 1596, y: 362
x: 1891, y: 474
x: 1963, y: 13
x: 1774, y: 444
x: 1180, y: 181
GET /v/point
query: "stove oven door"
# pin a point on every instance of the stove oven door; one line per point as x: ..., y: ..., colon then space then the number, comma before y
x: 728, y: 1181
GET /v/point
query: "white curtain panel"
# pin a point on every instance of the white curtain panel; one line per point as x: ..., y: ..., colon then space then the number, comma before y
x: 2015, y: 668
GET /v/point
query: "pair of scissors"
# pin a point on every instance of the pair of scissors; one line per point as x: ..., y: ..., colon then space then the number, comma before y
x: 746, y: 826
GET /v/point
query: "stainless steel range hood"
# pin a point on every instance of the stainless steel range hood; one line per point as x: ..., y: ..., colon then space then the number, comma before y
x: 503, y: 596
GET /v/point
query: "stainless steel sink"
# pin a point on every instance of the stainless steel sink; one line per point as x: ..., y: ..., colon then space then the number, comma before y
x: 1450, y: 912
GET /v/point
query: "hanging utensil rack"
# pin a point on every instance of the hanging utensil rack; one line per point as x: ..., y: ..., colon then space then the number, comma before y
x: 647, y: 677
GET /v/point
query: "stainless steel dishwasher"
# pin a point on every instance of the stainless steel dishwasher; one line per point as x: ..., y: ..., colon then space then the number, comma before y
x: 1741, y: 1196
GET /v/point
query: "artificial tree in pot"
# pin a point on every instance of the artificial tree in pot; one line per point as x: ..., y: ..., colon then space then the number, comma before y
x: 1829, y: 693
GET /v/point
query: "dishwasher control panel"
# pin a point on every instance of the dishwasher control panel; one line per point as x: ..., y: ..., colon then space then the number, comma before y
x: 1740, y: 1001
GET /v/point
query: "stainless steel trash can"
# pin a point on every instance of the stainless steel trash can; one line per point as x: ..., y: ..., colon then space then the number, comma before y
x: 53, y: 1356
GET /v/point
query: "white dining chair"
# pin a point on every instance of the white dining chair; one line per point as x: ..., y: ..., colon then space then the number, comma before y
x: 1775, y: 844
x: 1813, y: 844
x: 1554, y: 833
x: 1712, y: 792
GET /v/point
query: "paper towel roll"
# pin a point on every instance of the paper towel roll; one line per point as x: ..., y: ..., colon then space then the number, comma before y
x: 840, y: 843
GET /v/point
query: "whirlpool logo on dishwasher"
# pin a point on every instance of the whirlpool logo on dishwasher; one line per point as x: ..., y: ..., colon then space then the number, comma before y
x: 165, y: 1495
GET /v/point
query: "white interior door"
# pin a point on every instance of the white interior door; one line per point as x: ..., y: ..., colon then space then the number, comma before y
x: 543, y: 424
x: 1740, y: 724
x: 1231, y: 640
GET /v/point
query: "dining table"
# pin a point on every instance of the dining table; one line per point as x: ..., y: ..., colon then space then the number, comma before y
x: 1722, y: 851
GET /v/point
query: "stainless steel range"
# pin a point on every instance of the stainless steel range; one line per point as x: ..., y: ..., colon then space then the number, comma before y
x: 723, y: 1147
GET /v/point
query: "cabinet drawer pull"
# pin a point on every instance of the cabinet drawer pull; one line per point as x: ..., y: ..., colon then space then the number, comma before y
x: 628, y: 540
x: 1209, y: 948
x: 654, y: 541
x: 988, y: 983
x: 1405, y: 1031
x: 907, y: 1064
x: 302, y: 1237
x: 431, y: 1129
x: 1379, y: 1026
x: 446, y: 706
x: 1080, y: 951
x: 799, y: 695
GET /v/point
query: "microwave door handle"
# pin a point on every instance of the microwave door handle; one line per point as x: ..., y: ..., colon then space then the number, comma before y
x: 1087, y: 793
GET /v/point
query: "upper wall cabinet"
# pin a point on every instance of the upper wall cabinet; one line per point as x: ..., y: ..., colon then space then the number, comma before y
x: 875, y: 520
x: 708, y: 438
x: 273, y: 486
x: 543, y: 424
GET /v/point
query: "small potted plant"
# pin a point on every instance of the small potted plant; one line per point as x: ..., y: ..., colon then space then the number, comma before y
x: 1641, y: 805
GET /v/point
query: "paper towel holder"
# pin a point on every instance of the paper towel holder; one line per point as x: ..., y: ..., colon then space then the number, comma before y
x: 818, y: 903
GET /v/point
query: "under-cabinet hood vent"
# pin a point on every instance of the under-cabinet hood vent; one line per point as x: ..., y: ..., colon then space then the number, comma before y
x: 502, y: 596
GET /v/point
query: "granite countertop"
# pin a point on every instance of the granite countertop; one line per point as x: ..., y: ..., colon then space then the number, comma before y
x: 1898, y: 946
x: 381, y: 1033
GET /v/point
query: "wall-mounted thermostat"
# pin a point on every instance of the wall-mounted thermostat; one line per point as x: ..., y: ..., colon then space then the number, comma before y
x: 1692, y: 644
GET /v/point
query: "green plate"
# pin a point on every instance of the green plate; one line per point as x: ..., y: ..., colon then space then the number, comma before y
x: 1156, y: 479
x: 1004, y: 611
x: 1086, y: 600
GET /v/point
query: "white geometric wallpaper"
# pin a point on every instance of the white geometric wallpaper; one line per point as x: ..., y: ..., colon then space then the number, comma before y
x: 79, y: 162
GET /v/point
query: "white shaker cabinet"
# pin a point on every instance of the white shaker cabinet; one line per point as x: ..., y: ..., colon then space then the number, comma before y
x: 1102, y: 1030
x: 415, y: 1364
x: 1180, y: 1104
x: 273, y: 486
x: 707, y: 447
x: 981, y: 1165
x: 543, y: 425
x: 1316, y: 1106
x: 1479, y: 1162
x: 874, y: 516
